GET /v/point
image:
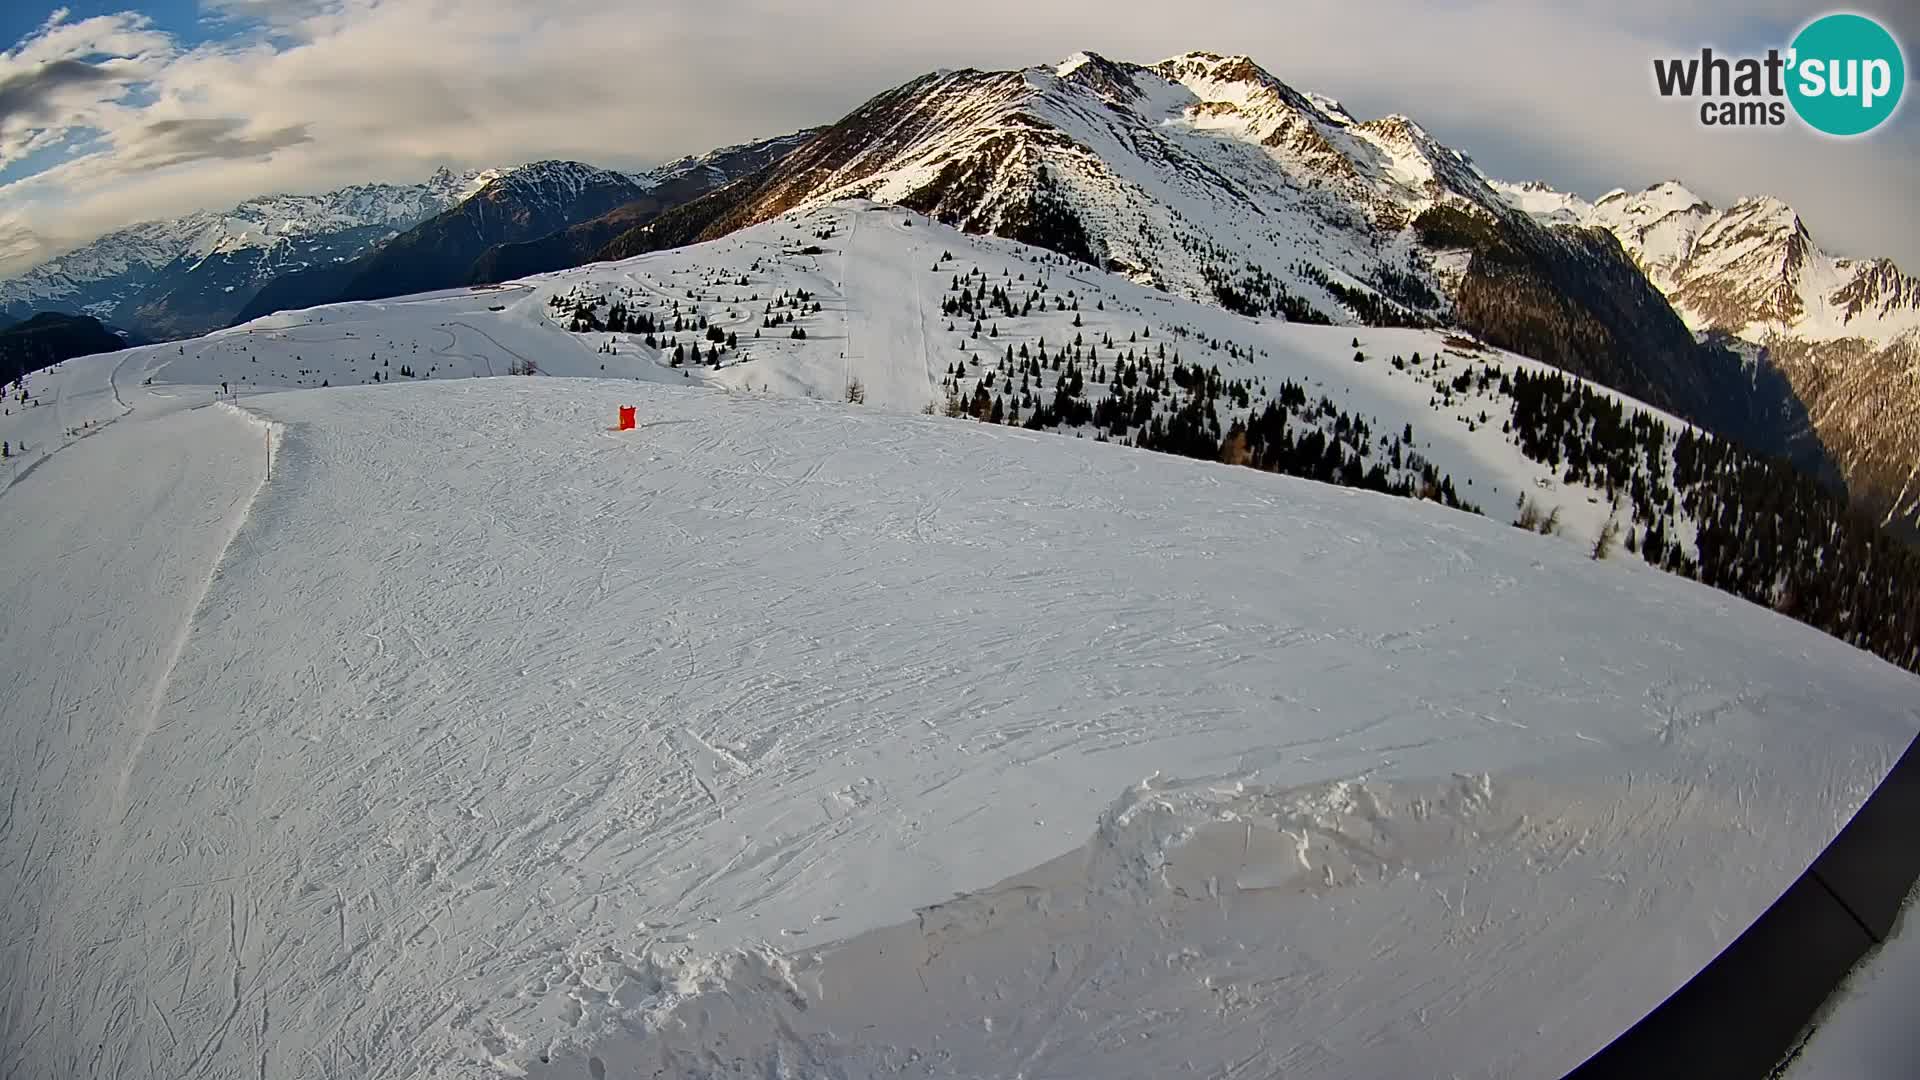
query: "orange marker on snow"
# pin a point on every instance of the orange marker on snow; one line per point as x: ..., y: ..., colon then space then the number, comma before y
x: 626, y: 418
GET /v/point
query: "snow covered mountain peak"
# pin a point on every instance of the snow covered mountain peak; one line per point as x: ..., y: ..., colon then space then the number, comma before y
x: 1845, y: 332
x: 1752, y: 269
x: 1068, y: 66
x: 1547, y: 204
x: 1202, y: 66
x: 1203, y: 173
x: 1236, y: 81
x: 1207, y: 176
x: 455, y: 186
x: 552, y: 179
x: 1112, y: 81
x: 1331, y: 106
x: 1769, y: 212
x: 1667, y: 194
x: 1398, y: 126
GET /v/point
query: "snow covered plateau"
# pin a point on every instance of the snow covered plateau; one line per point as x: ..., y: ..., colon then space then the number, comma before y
x: 436, y: 729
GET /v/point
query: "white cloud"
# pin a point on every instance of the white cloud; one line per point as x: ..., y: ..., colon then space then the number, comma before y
x: 73, y: 75
x: 326, y: 92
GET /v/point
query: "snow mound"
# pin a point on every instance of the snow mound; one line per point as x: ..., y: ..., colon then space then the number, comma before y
x: 1211, y: 914
x: 1147, y: 907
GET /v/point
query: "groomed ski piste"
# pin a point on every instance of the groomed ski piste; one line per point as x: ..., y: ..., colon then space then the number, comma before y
x: 438, y: 730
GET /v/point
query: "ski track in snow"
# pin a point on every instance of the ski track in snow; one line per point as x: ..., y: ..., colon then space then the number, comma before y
x: 227, y: 529
x: 493, y: 735
x: 110, y: 546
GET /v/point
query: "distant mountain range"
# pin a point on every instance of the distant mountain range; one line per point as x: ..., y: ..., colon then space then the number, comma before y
x: 187, y: 275
x: 439, y: 251
x: 524, y: 220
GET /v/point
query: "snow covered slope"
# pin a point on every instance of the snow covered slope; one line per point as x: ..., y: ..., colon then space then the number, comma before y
x: 880, y: 278
x: 64, y: 403
x: 438, y: 730
x: 1845, y: 332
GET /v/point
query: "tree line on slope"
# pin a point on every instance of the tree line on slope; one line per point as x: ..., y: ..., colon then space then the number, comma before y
x: 1137, y: 395
x: 1761, y: 529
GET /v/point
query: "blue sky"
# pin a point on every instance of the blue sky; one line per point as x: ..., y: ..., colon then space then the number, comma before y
x: 181, y: 19
x: 20, y: 19
x: 113, y: 114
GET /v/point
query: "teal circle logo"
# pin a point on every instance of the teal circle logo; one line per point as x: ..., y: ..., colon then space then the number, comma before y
x: 1847, y: 74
